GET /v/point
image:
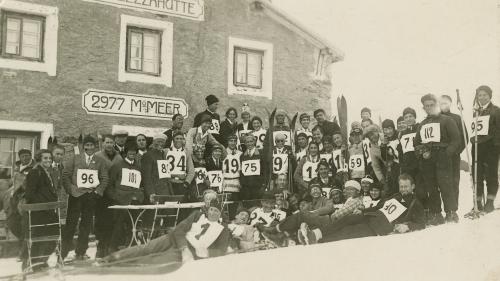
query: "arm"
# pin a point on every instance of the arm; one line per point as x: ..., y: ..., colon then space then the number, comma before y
x: 190, y: 169
x: 348, y: 208
x: 32, y: 180
x: 104, y: 175
x: 496, y: 126
x: 416, y: 216
x: 327, y: 209
x: 297, y: 176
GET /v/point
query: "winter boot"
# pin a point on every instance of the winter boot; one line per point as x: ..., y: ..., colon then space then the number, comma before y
x: 435, y: 219
x: 489, y: 206
x: 451, y: 217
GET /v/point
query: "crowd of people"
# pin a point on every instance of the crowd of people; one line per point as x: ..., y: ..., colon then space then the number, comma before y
x: 286, y: 184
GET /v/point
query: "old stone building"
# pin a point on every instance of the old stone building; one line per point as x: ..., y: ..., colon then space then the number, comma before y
x: 91, y: 66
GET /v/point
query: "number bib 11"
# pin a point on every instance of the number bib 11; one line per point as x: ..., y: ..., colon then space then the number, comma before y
x: 215, y: 178
x: 280, y: 164
x: 287, y: 136
x: 483, y: 125
x: 87, y: 178
x: 309, y: 171
x: 430, y: 133
x: 163, y: 169
x: 131, y: 178
x: 214, y: 127
x: 176, y: 162
x: 231, y: 166
x: 392, y: 209
x: 357, y: 163
x: 407, y: 142
x: 251, y: 167
x: 200, y: 175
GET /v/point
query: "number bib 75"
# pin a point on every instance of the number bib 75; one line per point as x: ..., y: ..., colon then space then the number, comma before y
x: 357, y: 163
x: 131, y: 178
x: 430, y: 133
x: 309, y: 171
x: 483, y: 125
x: 176, y: 162
x: 392, y: 209
x: 231, y: 166
x: 214, y: 127
x: 86, y: 178
x: 407, y: 142
x: 215, y: 178
x: 251, y: 167
x: 280, y: 164
x: 200, y: 175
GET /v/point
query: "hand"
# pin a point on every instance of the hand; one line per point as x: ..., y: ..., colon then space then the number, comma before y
x: 186, y: 255
x: 151, y: 197
x: 401, y: 228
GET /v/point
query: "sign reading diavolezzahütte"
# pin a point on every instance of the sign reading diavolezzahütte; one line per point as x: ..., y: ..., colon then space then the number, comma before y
x: 132, y: 105
x: 191, y: 9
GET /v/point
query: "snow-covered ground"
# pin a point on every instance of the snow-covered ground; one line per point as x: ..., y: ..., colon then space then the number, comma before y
x: 466, y: 251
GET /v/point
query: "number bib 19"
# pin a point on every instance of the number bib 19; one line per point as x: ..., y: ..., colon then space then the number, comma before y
x: 251, y: 167
x: 280, y: 164
x: 430, y: 133
x: 357, y: 163
x: 87, y: 178
x: 483, y: 125
x: 200, y: 174
x: 366, y: 150
x: 215, y: 178
x: 163, y: 169
x: 287, y: 136
x: 309, y: 171
x: 339, y: 161
x: 392, y: 209
x: 231, y: 166
x: 214, y: 127
x: 131, y: 178
x: 176, y: 162
x: 407, y: 142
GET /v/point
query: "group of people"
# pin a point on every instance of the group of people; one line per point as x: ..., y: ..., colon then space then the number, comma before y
x: 285, y: 184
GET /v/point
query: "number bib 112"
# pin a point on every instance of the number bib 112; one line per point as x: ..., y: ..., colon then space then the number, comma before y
x: 483, y: 125
x: 430, y: 133
x: 131, y: 178
x: 407, y: 142
x: 87, y: 178
x: 280, y: 164
x: 309, y: 171
x: 251, y: 167
x: 392, y: 209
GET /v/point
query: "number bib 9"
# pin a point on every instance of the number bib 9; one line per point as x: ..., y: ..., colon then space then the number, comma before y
x: 287, y: 136
x: 356, y: 163
x: 251, y: 167
x: 176, y: 162
x: 214, y: 127
x: 366, y: 150
x: 407, y: 142
x: 430, y: 133
x: 163, y: 169
x: 309, y: 171
x: 215, y: 178
x: 200, y: 175
x: 338, y: 161
x: 231, y: 166
x: 87, y: 178
x: 483, y: 125
x: 280, y: 164
x: 131, y: 178
x: 392, y: 209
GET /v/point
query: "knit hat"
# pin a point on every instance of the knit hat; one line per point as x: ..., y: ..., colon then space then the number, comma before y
x: 23, y: 151
x: 232, y: 137
x: 366, y: 109
x: 388, y: 123
x: 279, y: 136
x: 302, y: 135
x: 484, y: 88
x: 304, y: 116
x: 428, y: 97
x: 211, y: 99
x: 411, y: 111
x: 280, y: 112
x: 318, y: 111
x: 89, y: 139
x: 400, y: 119
x: 130, y: 147
x: 121, y: 133
x: 353, y: 184
x: 160, y: 137
x: 356, y: 131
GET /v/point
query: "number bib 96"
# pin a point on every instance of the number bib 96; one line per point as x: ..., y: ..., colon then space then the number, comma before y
x: 176, y: 162
x: 483, y: 125
x: 392, y: 209
x: 86, y: 178
x: 251, y: 167
x: 215, y: 178
x: 357, y: 163
x: 309, y: 171
x: 131, y: 178
x: 430, y: 133
x: 407, y: 142
x: 280, y: 164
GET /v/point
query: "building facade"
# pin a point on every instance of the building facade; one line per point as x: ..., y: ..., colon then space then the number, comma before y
x: 94, y: 66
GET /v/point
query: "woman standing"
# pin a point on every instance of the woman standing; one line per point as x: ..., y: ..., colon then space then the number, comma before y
x: 258, y: 132
x: 229, y: 126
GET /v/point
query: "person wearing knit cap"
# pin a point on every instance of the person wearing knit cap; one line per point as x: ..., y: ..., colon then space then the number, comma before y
x: 488, y: 146
x: 408, y: 160
x: 177, y: 123
x: 400, y: 124
x: 201, y: 136
x: 365, y: 123
x: 356, y: 162
x: 366, y: 113
x: 229, y: 126
x: 391, y: 152
x: 211, y: 112
x: 120, y: 138
x: 328, y: 128
x: 437, y: 142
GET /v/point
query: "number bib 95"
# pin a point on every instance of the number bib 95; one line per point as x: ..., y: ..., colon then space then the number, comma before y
x: 483, y: 125
x: 407, y: 142
x: 309, y: 171
x: 86, y: 178
x: 214, y: 127
x: 176, y: 162
x: 280, y: 164
x: 357, y: 163
x: 430, y: 133
x: 131, y: 178
x: 392, y: 209
x: 231, y: 166
x: 251, y: 167
x: 215, y: 178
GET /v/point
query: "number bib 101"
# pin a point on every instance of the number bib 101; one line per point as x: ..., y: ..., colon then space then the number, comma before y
x: 407, y: 142
x: 131, y: 178
x: 430, y: 133
x: 87, y: 178
x: 280, y: 164
x: 483, y: 125
x: 251, y: 167
x: 309, y: 171
x: 392, y: 209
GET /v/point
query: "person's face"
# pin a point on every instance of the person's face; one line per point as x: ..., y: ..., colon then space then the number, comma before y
x: 281, y: 182
x: 374, y: 137
x: 375, y: 193
x: 316, y: 192
x: 231, y: 115
x: 444, y: 104
x: 131, y: 155
x: 120, y: 140
x: 25, y: 158
x: 406, y: 187
x: 388, y: 132
x: 313, y: 150
x: 430, y: 107
x: 302, y: 142
x: 141, y: 142
x: 213, y: 107
x: 328, y: 146
x: 402, y: 126
x: 108, y: 144
x: 89, y: 148
x: 231, y: 143
x: 336, y: 197
x: 305, y: 122
x: 365, y: 186
x: 365, y: 123
x: 241, y: 218
x: 158, y: 143
x: 178, y: 122
x: 213, y: 214
x: 199, y: 154
x: 205, y: 126
x: 337, y: 140
x: 351, y: 192
x: 280, y: 119
x: 46, y: 160
x: 57, y: 155
x: 245, y: 116
x: 365, y: 115
x: 305, y: 206
x: 280, y: 143
x: 483, y: 98
x: 356, y: 138
x: 216, y: 154
x: 250, y: 142
x: 267, y: 205
x: 320, y: 117
x: 323, y: 171
x: 317, y: 136
x: 256, y: 125
x: 409, y: 119
x: 178, y: 141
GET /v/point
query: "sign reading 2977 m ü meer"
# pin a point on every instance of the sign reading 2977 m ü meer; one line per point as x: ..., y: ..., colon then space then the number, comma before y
x: 190, y: 9
x: 132, y: 105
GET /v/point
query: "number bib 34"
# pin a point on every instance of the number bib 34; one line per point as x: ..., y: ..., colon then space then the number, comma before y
x: 87, y: 178
x: 176, y: 162
x: 131, y: 178
x: 483, y: 125
x: 392, y: 209
x: 251, y: 167
x: 430, y: 133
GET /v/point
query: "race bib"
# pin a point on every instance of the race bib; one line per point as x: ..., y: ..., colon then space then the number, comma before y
x: 483, y: 125
x: 200, y: 175
x: 392, y: 209
x: 258, y: 216
x: 202, y: 234
x: 261, y: 137
x: 280, y: 164
x: 131, y: 178
x: 287, y: 136
x: 328, y: 157
x: 215, y: 178
x: 356, y: 163
x: 339, y: 161
x: 176, y: 162
x: 231, y: 166
x: 309, y: 171
x: 407, y: 142
x: 430, y: 133
x: 366, y: 150
x: 163, y: 169
x: 393, y: 149
x: 214, y: 127
x: 251, y: 167
x: 86, y: 178
x: 325, y: 192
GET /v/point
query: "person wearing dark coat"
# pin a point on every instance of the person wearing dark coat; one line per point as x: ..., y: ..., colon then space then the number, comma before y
x: 177, y: 122
x: 229, y: 127
x: 328, y: 128
x: 212, y: 104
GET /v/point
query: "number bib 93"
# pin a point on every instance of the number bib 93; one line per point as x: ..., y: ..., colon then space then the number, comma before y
x: 430, y: 133
x: 214, y: 127
x: 280, y: 164
x: 392, y: 209
x: 357, y: 163
x: 483, y: 125
x: 86, y: 178
x: 231, y: 166
x: 131, y: 178
x: 215, y: 178
x: 200, y: 175
x: 407, y: 142
x: 251, y: 167
x: 309, y: 171
x: 176, y: 162
x: 287, y: 136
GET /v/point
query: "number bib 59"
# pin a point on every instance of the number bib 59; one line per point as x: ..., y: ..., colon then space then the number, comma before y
x: 430, y: 133
x: 215, y: 178
x: 483, y: 125
x: 200, y: 175
x: 86, y: 178
x: 309, y: 171
x: 357, y: 163
x: 280, y: 164
x: 251, y: 167
x: 231, y: 166
x: 131, y: 178
x: 392, y: 209
x: 214, y: 127
x: 176, y: 162
x: 407, y: 142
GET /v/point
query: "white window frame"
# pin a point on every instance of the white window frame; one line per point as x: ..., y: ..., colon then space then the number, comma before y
x: 51, y: 14
x: 166, y: 52
x: 267, y: 68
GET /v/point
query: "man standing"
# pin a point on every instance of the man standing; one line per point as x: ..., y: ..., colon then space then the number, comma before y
x: 212, y: 105
x: 328, y: 128
x: 488, y: 147
x: 180, y: 165
x: 154, y: 170
x: 408, y: 159
x: 437, y: 142
x: 366, y: 114
x: 177, y: 122
x: 57, y: 173
x: 86, y: 178
x: 120, y: 140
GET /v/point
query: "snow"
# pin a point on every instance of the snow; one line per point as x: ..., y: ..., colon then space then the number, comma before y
x: 465, y: 251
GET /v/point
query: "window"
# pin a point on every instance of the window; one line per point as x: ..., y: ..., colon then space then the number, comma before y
x: 320, y: 64
x: 248, y: 68
x: 10, y: 144
x: 143, y: 51
x: 22, y: 36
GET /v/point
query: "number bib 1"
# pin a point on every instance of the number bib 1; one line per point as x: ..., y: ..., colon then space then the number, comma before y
x: 280, y: 164
x: 392, y: 209
x: 87, y: 178
x: 200, y: 175
x: 366, y: 150
x: 214, y: 127
x: 202, y: 234
x: 163, y: 169
x: 430, y: 133
x: 483, y: 125
x: 339, y: 161
x: 215, y: 178
x: 131, y: 178
x: 231, y: 166
x: 407, y: 142
x: 176, y: 162
x: 287, y: 136
x: 356, y: 163
x: 251, y: 167
x: 309, y: 171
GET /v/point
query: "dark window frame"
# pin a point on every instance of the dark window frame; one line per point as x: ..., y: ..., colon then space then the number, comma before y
x: 246, y: 51
x: 130, y: 30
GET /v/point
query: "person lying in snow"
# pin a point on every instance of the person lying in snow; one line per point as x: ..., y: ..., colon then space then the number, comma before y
x: 400, y: 213
x: 244, y: 235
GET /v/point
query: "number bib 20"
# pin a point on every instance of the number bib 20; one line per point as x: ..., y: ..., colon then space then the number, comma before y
x: 280, y: 164
x: 163, y: 169
x: 131, y: 178
x: 215, y: 178
x: 357, y: 163
x: 231, y: 166
x: 200, y: 175
x: 430, y: 133
x: 287, y: 136
x: 407, y: 142
x: 251, y: 167
x: 176, y: 162
x: 214, y: 127
x: 309, y: 171
x: 392, y: 209
x: 86, y: 178
x: 483, y: 125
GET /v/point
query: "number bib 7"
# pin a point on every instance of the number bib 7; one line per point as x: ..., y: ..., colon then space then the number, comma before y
x: 231, y: 166
x: 483, y: 125
x: 251, y: 167
x: 163, y: 169
x: 214, y: 127
x: 87, y: 178
x: 287, y: 136
x: 392, y: 209
x: 215, y: 178
x: 202, y: 234
x: 200, y: 175
x: 280, y: 164
x: 131, y: 178
x: 430, y: 133
x: 338, y: 161
x: 356, y: 163
x: 309, y: 171
x: 176, y: 162
x: 407, y: 142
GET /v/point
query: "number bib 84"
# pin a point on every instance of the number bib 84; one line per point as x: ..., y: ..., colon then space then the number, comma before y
x: 214, y: 127
x: 87, y: 178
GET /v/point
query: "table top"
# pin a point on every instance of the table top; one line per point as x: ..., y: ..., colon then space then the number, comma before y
x: 166, y: 205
